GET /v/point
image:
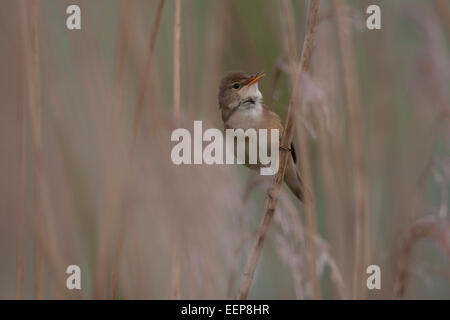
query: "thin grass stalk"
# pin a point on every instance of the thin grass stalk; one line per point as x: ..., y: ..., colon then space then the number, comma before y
x: 218, y: 27
x: 35, y: 120
x: 310, y: 209
x: 146, y: 73
x: 176, y: 271
x: 115, y: 268
x: 122, y: 50
x: 46, y: 244
x: 330, y: 185
x: 443, y: 10
x: 126, y: 40
x: 308, y: 45
x: 176, y: 262
x: 251, y: 185
x: 360, y: 183
x: 21, y: 135
x: 121, y: 53
x: 125, y: 217
x: 38, y: 270
x: 176, y: 60
x: 287, y: 19
x: 304, y: 160
x: 433, y: 227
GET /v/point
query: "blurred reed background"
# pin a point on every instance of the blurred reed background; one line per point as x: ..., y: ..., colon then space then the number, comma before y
x: 86, y: 175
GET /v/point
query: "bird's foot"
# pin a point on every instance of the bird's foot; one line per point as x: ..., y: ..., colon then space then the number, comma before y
x: 285, y: 148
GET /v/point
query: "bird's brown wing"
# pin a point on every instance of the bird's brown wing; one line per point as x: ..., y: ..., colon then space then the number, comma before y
x: 274, y: 119
x: 265, y: 106
x: 293, y: 154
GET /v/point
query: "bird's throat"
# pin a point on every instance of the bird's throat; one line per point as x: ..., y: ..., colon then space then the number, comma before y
x: 247, y: 115
x: 247, y: 103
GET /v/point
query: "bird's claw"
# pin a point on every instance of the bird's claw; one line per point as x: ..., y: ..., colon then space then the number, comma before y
x: 285, y: 148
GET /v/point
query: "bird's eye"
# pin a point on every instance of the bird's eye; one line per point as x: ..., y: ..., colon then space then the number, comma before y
x: 236, y: 85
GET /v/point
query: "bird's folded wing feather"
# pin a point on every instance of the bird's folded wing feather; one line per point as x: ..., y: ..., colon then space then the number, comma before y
x: 278, y: 124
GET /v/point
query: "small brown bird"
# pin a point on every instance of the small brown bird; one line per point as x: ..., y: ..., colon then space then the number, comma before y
x: 242, y: 107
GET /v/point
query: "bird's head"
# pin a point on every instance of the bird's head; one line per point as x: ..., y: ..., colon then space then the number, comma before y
x: 239, y: 89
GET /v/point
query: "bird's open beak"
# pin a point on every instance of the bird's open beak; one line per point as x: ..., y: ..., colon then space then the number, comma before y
x: 258, y: 76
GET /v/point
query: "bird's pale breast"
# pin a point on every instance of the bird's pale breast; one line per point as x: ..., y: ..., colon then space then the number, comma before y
x: 257, y: 117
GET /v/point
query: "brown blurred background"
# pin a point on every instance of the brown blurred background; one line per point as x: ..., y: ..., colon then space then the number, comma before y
x: 74, y: 190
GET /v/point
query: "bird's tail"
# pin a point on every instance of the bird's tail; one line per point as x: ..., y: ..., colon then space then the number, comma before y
x: 295, y: 182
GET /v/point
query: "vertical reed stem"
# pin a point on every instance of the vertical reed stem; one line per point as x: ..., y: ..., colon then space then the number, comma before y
x: 304, y: 161
x: 286, y: 139
x: 176, y: 60
x: 43, y: 224
x: 176, y: 270
x: 176, y: 267
x: 35, y: 119
x: 353, y: 102
x: 146, y: 73
x: 443, y: 10
x: 21, y: 135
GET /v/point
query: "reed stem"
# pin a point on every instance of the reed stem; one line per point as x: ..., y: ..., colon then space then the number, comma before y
x: 286, y: 139
x: 360, y: 184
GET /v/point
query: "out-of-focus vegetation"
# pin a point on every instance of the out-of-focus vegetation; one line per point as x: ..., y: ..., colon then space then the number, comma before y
x: 73, y: 190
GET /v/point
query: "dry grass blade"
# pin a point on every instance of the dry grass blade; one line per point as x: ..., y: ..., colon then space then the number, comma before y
x: 308, y: 45
x: 304, y: 161
x: 74, y: 191
x: 146, y: 73
x: 176, y: 60
x: 176, y: 271
x: 252, y: 184
x: 21, y: 134
x: 176, y: 261
x: 435, y: 228
x: 46, y: 244
x: 122, y: 50
x: 289, y: 30
x: 353, y: 102
x: 443, y: 9
x: 33, y: 74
